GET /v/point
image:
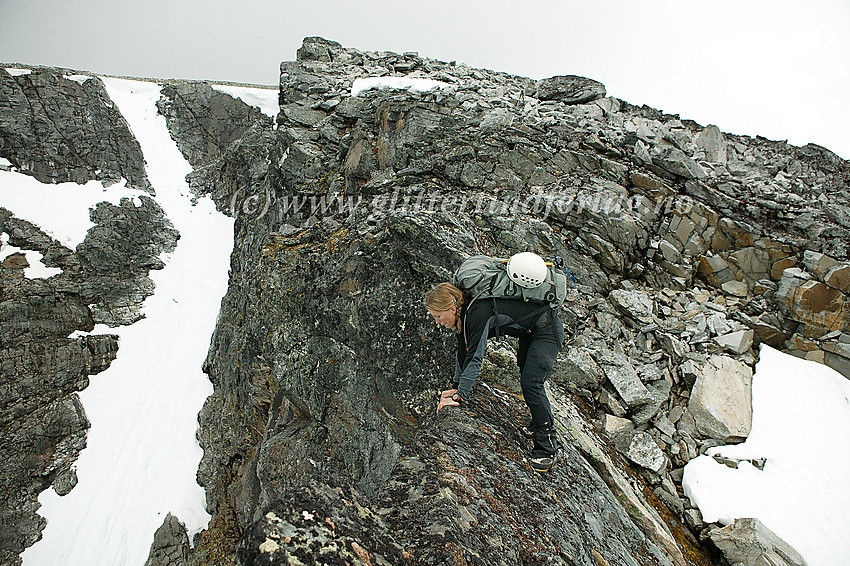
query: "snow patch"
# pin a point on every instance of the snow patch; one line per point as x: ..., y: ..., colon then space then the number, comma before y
x: 61, y: 210
x: 15, y: 72
x: 36, y: 269
x: 801, y: 415
x: 266, y: 99
x: 404, y: 83
x: 78, y: 78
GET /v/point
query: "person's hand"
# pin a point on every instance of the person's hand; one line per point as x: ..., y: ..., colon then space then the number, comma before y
x: 446, y: 399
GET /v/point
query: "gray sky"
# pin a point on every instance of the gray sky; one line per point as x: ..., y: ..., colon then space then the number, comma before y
x: 775, y: 68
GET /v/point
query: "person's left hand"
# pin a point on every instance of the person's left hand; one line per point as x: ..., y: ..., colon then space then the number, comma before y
x: 446, y: 399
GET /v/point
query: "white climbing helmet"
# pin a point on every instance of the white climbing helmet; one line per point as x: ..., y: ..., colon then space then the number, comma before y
x: 527, y: 269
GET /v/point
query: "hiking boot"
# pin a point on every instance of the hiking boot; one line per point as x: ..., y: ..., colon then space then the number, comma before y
x: 541, y: 463
x: 545, y: 441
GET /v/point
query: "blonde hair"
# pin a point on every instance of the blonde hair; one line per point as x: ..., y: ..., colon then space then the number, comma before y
x: 443, y: 297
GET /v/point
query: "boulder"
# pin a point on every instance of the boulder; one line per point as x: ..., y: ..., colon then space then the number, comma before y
x: 838, y: 277
x: 715, y: 269
x: 717, y: 324
x: 818, y: 263
x: 644, y: 451
x: 779, y: 266
x: 713, y: 144
x: 496, y: 119
x: 736, y: 342
x: 673, y: 160
x: 837, y: 356
x: 769, y: 331
x: 734, y: 235
x: 613, y: 426
x: 570, y: 89
x: 303, y: 115
x: 675, y: 348
x: 623, y: 376
x: 818, y: 306
x: 647, y: 182
x: 658, y: 385
x: 748, y: 542
x: 635, y: 304
x: 735, y: 288
x: 578, y: 371
x: 317, y: 49
x: 753, y: 262
x: 721, y: 399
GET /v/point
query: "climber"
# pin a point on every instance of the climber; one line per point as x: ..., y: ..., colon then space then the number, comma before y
x: 540, y: 339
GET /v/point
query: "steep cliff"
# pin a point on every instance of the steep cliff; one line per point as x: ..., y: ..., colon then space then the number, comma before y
x: 321, y: 445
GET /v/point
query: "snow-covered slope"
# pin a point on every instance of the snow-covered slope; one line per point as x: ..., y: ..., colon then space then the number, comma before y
x: 142, y: 454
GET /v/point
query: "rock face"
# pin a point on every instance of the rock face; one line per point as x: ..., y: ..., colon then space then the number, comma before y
x: 448, y: 497
x: 60, y: 129
x: 204, y: 121
x: 690, y: 247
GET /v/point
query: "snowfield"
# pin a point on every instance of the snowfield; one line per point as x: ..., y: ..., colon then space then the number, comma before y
x: 801, y: 419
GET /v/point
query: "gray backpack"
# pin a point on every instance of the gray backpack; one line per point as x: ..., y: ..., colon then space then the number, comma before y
x: 484, y: 277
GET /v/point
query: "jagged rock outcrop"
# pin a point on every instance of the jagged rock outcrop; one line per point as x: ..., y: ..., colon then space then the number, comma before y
x: 569, y: 89
x: 228, y: 143
x: 170, y: 544
x: 205, y: 121
x: 57, y: 127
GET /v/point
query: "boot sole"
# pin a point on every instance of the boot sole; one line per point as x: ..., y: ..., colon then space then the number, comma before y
x: 542, y: 469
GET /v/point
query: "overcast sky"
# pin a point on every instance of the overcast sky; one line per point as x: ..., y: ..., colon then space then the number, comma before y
x: 775, y: 68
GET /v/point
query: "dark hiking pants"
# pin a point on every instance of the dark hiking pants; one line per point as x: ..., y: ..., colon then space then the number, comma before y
x: 536, y: 354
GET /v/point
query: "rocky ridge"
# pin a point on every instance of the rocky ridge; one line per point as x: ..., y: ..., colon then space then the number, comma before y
x: 690, y: 246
